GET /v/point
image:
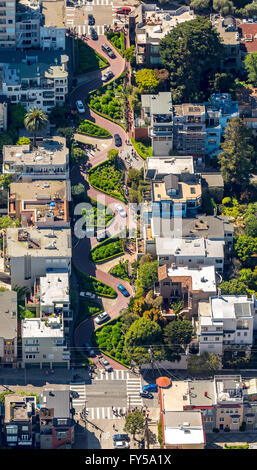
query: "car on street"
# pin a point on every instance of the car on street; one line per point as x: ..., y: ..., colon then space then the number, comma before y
x: 150, y: 388
x: 80, y: 107
x: 90, y: 295
x: 105, y: 364
x: 121, y: 437
x: 74, y: 394
x: 91, y: 19
x: 108, y: 50
x: 123, y: 290
x: 102, y: 317
x: 120, y: 210
x: 146, y: 394
x: 107, y: 76
x: 123, y: 10
x: 121, y: 445
x: 117, y: 140
x: 89, y: 350
x: 93, y: 34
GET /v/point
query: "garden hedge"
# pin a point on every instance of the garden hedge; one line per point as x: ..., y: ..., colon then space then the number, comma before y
x: 87, y: 127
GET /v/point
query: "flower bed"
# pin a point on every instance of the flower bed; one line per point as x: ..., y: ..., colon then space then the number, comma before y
x: 93, y: 130
x: 110, y: 340
x: 91, y: 284
x: 107, y: 178
x: 121, y: 271
x: 107, y: 250
x: 102, y: 215
x: 88, y: 59
x: 142, y: 147
x: 87, y: 309
x: 117, y: 40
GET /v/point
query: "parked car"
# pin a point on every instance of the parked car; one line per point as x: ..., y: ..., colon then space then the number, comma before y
x: 121, y: 437
x: 74, y: 394
x: 108, y: 50
x: 117, y: 140
x: 105, y: 364
x: 107, y: 76
x: 93, y: 34
x: 80, y: 107
x: 121, y: 445
x: 102, y: 317
x: 146, y: 394
x: 90, y: 295
x: 123, y: 290
x: 89, y: 350
x: 91, y: 19
x: 120, y: 210
x: 150, y: 388
x: 123, y: 10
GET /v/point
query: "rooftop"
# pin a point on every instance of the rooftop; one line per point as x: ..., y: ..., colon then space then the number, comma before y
x: 186, y: 185
x: 183, y: 427
x: 54, y: 288
x: 54, y: 13
x: 166, y: 165
x: 201, y: 393
x: 159, y: 104
x: 202, y: 279
x: 185, y: 247
x: 36, y: 328
x: 227, y: 29
x: 59, y: 400
x: 231, y: 306
x: 36, y: 242
x: 51, y: 151
x: 19, y: 408
x: 8, y: 314
x: 228, y: 388
x: 248, y: 33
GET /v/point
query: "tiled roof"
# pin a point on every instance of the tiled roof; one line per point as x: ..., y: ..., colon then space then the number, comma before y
x: 248, y: 33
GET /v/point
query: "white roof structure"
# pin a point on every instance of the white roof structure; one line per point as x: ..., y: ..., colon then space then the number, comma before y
x: 54, y: 287
x: 167, y: 165
x: 203, y: 279
x: 185, y: 247
x: 231, y: 306
x: 183, y: 427
x: 36, y: 328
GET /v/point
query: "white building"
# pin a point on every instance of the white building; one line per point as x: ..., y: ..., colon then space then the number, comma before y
x: 30, y: 253
x: 7, y: 24
x: 3, y: 114
x: 43, y: 343
x: 8, y: 328
x: 55, y: 297
x: 53, y: 32
x: 224, y: 321
x: 50, y: 160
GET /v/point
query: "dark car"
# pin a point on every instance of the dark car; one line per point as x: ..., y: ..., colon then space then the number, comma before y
x: 121, y: 437
x: 123, y: 290
x: 91, y: 19
x: 74, y: 394
x: 93, y: 34
x: 117, y: 140
x: 108, y: 50
x: 146, y: 395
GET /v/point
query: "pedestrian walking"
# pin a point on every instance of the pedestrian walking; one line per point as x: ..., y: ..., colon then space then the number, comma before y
x: 113, y: 427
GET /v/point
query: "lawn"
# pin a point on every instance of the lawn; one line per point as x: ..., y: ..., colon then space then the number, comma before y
x: 120, y: 270
x: 87, y: 309
x: 102, y: 217
x: 117, y: 40
x: 142, y: 147
x: 108, y: 178
x: 91, y: 284
x: 107, y: 249
x: 89, y: 128
x: 88, y: 59
x: 110, y: 339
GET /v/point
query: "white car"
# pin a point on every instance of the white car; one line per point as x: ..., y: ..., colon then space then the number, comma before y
x: 80, y: 107
x: 102, y: 317
x: 90, y: 295
x: 120, y: 210
x: 121, y: 445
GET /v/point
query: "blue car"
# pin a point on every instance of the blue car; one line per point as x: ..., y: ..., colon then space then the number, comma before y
x: 123, y: 290
x: 150, y: 388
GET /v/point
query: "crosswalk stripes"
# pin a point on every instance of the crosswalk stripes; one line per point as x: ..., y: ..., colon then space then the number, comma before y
x: 134, y: 387
x: 115, y: 375
x: 103, y: 413
x: 79, y: 402
x: 85, y: 29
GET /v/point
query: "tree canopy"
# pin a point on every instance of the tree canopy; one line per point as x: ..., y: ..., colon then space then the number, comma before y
x: 251, y: 67
x: 191, y: 51
x: 146, y: 81
x: 134, y: 423
x: 148, y: 274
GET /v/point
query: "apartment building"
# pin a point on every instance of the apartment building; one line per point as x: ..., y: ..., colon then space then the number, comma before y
x: 187, y: 284
x: 53, y: 31
x: 57, y: 426
x: 158, y: 110
x: 226, y: 321
x: 156, y: 168
x: 54, y: 294
x: 229, y: 402
x: 148, y: 24
x: 250, y: 404
x: 40, y: 78
x: 190, y: 129
x: 29, y: 253
x: 27, y: 28
x: 40, y: 203
x: 7, y: 24
x: 44, y: 343
x: 48, y: 161
x: 3, y: 114
x: 8, y: 329
x: 191, y: 253
x: 247, y: 105
x: 227, y: 27
x: 19, y: 417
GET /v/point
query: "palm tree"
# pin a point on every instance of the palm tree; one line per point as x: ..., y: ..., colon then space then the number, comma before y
x: 35, y: 120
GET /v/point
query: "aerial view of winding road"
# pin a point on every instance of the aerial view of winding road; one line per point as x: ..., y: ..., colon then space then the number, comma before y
x: 82, y: 247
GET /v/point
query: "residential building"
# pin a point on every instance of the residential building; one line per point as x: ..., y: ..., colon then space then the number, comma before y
x: 201, y: 397
x: 229, y: 402
x: 57, y: 426
x: 187, y: 284
x: 158, y: 110
x: 27, y: 28
x: 48, y: 161
x: 19, y: 416
x: 44, y: 343
x: 53, y: 32
x: 247, y: 31
x: 190, y: 130
x: 40, y: 78
x: 3, y: 114
x: 8, y: 329
x: 7, y: 24
x: 226, y: 321
x: 148, y: 24
x: 250, y: 404
x: 192, y: 253
x: 247, y: 105
x: 157, y: 167
x: 40, y: 203
x: 30, y: 253
x: 227, y: 28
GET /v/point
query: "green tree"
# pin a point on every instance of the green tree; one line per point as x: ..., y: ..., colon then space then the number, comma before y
x: 6, y: 221
x: 200, y: 5
x: 78, y: 191
x: 35, y: 121
x: 146, y: 81
x: 112, y: 156
x: 178, y: 333
x: 148, y: 274
x: 246, y: 248
x: 251, y: 226
x: 236, y: 156
x: 251, y: 67
x: 222, y: 83
x: 224, y: 7
x: 233, y: 287
x: 78, y: 156
x: 250, y: 10
x: 5, y: 139
x: 206, y: 362
x: 23, y: 141
x: 143, y: 332
x: 191, y: 51
x: 5, y: 181
x: 66, y: 132
x: 134, y: 423
x: 17, y: 115
x: 129, y: 53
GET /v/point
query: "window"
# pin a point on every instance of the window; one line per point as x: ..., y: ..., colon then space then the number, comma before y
x: 24, y: 428
x: 221, y: 420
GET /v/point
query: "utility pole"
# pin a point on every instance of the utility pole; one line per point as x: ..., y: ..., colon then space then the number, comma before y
x: 151, y: 355
x: 146, y: 432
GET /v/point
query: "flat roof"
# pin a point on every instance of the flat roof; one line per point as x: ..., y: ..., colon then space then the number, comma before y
x: 160, y: 103
x: 38, y: 243
x: 8, y: 314
x: 59, y: 400
x: 52, y: 151
x: 231, y: 306
x: 185, y: 247
x: 36, y: 328
x: 54, y: 287
x: 37, y: 190
x: 189, y: 190
x: 202, y: 393
x: 203, y: 279
x: 175, y: 397
x: 54, y: 13
x: 228, y: 388
x: 159, y: 23
x: 175, y: 165
x: 183, y: 427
